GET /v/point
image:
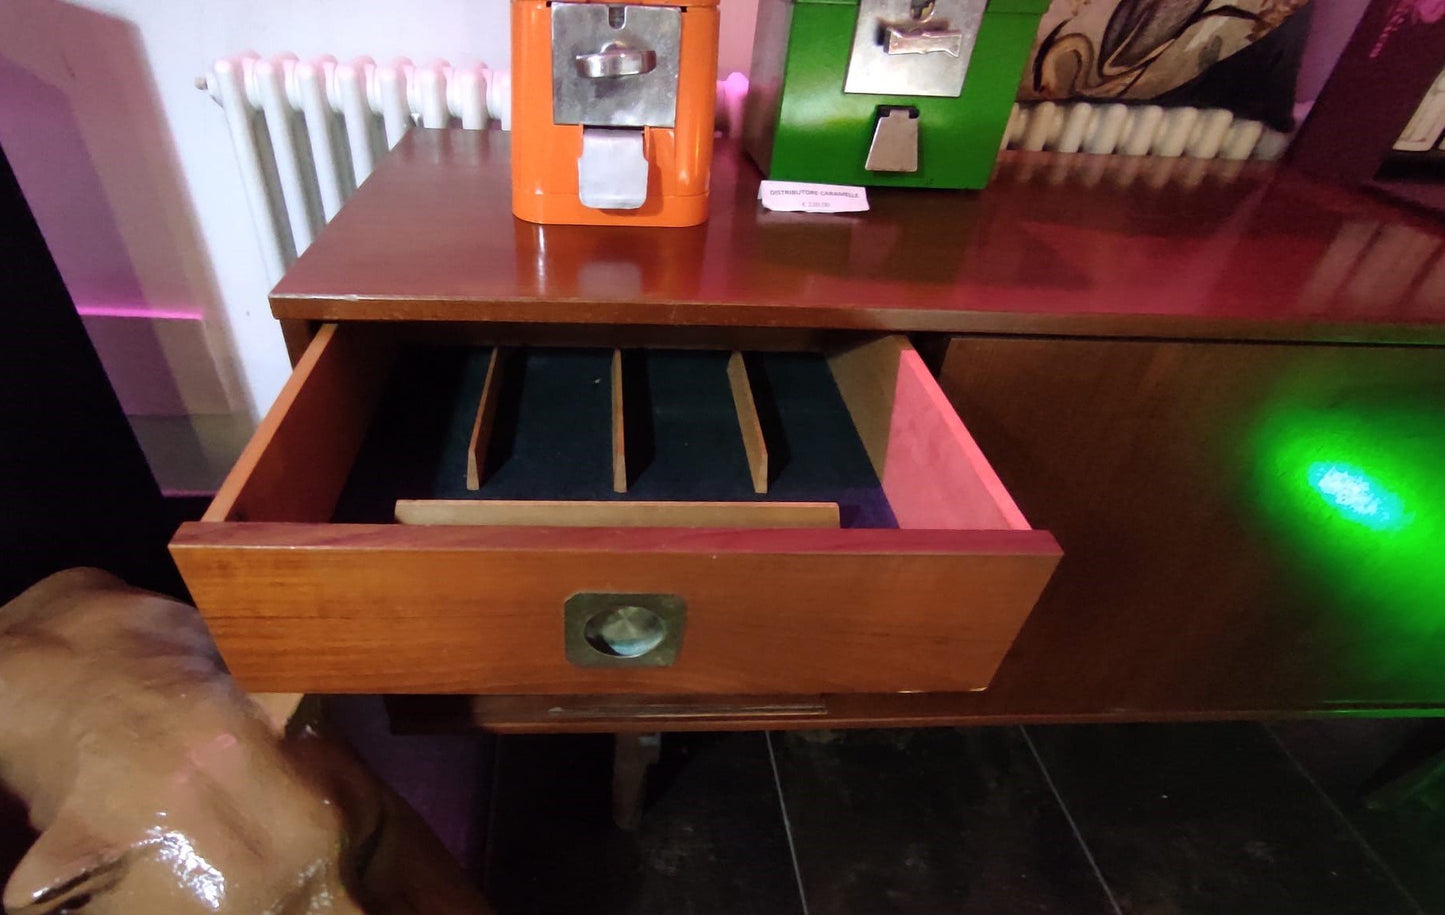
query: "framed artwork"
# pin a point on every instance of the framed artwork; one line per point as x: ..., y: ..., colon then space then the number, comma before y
x: 1238, y: 54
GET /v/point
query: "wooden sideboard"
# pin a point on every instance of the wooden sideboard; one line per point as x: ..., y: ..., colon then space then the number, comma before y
x: 1217, y: 388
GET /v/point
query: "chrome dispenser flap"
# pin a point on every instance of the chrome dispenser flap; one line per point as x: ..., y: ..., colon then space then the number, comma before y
x: 615, y: 66
x: 913, y: 47
x: 895, y: 142
x: 612, y: 171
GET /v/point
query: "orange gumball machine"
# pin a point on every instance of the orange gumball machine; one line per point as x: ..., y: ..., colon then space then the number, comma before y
x: 612, y: 111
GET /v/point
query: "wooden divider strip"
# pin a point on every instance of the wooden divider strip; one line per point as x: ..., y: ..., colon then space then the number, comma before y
x: 618, y: 514
x: 748, y: 423
x: 619, y: 426
x: 486, y: 419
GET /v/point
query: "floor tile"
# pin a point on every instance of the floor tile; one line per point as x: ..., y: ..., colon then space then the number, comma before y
x: 712, y: 838
x: 929, y: 821
x: 1349, y: 758
x: 1206, y: 818
x: 1343, y: 755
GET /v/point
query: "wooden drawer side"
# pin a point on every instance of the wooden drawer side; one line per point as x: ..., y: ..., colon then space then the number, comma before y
x: 296, y: 464
x: 931, y: 470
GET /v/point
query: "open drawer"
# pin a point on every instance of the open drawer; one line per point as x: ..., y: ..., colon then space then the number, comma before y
x: 603, y: 522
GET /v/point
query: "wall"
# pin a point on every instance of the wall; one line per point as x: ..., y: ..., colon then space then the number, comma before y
x: 130, y: 172
x: 1330, y: 30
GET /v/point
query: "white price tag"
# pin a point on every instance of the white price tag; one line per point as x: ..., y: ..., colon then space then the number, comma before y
x: 801, y: 197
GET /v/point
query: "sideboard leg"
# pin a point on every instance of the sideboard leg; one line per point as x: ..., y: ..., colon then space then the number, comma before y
x: 632, y: 755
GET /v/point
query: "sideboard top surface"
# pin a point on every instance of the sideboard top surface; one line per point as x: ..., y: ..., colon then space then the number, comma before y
x: 1058, y: 245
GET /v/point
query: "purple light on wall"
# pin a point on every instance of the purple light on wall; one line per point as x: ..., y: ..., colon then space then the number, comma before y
x: 144, y: 312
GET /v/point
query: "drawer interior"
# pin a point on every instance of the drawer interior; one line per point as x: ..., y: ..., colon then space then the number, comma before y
x: 552, y: 437
x: 377, y: 430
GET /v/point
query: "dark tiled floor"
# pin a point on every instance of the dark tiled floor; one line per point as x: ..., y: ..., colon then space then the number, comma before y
x: 1209, y: 818
x: 712, y: 839
x: 1365, y: 766
x: 929, y: 821
x: 1157, y: 819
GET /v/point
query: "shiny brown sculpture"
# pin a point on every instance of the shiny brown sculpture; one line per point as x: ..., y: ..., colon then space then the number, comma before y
x: 159, y: 787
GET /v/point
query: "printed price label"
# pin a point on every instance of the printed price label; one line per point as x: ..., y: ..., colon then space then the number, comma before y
x: 801, y: 197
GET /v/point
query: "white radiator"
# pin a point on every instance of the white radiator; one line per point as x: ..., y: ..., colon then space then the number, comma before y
x: 306, y: 133
x: 1427, y: 126
x: 1113, y: 128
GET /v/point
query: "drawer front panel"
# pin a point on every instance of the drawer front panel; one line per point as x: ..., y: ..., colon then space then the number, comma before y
x: 348, y: 608
x: 298, y: 603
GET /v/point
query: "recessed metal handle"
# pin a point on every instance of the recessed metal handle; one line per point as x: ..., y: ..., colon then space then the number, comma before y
x: 604, y: 629
x: 616, y: 60
x: 628, y: 631
x: 904, y: 40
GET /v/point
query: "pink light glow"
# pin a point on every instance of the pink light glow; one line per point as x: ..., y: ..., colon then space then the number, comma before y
x: 736, y: 85
x: 139, y: 311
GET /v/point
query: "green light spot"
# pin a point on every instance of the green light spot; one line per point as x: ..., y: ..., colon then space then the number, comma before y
x: 1352, y: 496
x: 1356, y: 496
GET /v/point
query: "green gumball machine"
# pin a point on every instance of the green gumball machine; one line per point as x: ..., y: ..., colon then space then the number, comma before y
x: 891, y: 93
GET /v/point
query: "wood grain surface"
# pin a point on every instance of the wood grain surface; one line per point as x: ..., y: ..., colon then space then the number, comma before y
x: 867, y: 376
x: 295, y: 465
x: 748, y: 423
x: 1085, y: 245
x: 1188, y: 590
x: 619, y: 426
x: 500, y: 512
x: 392, y: 608
x: 481, y: 438
x: 474, y: 607
x: 1203, y: 572
x: 934, y: 474
x: 931, y: 470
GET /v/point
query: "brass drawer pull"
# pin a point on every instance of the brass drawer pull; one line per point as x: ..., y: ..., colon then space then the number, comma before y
x: 623, y: 630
